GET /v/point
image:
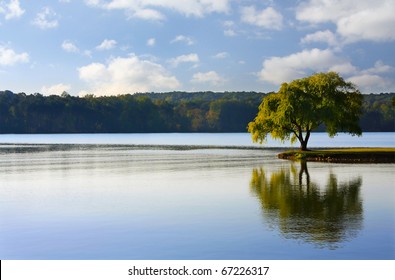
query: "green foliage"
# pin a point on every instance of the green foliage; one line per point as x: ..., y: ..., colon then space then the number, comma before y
x: 303, y: 105
x: 378, y: 112
x: 152, y: 112
x: 155, y: 112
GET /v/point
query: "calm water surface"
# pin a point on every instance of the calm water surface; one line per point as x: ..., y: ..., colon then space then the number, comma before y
x: 125, y: 201
x: 207, y: 139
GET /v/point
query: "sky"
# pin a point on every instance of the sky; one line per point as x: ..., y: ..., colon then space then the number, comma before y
x: 111, y: 47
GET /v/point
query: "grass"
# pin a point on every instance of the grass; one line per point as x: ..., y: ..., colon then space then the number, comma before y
x: 344, y: 155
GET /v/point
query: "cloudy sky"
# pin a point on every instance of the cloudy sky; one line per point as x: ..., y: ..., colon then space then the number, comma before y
x: 108, y: 47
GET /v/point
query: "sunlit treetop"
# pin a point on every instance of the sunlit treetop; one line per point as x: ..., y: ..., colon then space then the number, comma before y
x: 301, y: 106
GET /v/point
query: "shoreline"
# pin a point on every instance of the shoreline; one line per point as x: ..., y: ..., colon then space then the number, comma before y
x: 343, y: 155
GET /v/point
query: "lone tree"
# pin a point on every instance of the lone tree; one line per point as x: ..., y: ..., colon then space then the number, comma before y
x: 303, y: 105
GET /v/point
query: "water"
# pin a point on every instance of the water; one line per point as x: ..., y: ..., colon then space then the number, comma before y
x: 116, y: 199
x: 371, y: 139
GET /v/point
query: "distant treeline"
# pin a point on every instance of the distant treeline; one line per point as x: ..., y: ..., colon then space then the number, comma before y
x: 155, y: 112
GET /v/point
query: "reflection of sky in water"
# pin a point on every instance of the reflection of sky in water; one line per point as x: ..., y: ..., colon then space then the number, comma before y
x: 368, y: 139
x: 119, y: 202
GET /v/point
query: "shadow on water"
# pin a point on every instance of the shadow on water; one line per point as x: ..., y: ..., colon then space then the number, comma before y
x: 323, y: 213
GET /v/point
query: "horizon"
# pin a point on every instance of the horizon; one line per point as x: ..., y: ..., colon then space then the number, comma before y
x: 167, y: 92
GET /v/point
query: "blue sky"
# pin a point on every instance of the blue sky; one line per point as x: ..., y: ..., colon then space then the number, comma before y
x: 110, y: 47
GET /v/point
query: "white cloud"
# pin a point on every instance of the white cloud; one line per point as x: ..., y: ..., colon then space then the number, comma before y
x: 46, y: 19
x: 93, y: 2
x: 371, y: 83
x: 321, y: 11
x: 228, y: 23
x: 230, y: 32
x: 221, y: 55
x: 11, y: 10
x: 69, y: 47
x: 197, y: 8
x: 124, y: 75
x: 321, y: 37
x: 373, y: 79
x: 93, y: 73
x: 9, y: 57
x: 151, y: 42
x: 277, y: 70
x: 192, y: 57
x: 229, y: 27
x: 146, y: 14
x: 185, y: 39
x: 356, y: 20
x: 211, y: 77
x: 149, y: 9
x: 57, y: 89
x: 107, y: 45
x: 379, y: 67
x: 267, y: 18
x: 344, y: 68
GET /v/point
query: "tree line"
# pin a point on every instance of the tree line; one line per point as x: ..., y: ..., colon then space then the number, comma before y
x: 155, y: 112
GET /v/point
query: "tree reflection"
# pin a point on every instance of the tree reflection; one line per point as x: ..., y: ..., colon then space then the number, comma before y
x: 325, y: 214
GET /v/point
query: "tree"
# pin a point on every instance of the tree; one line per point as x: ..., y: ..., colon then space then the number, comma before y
x: 305, y: 104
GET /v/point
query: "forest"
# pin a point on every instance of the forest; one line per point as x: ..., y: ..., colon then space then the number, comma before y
x: 156, y: 112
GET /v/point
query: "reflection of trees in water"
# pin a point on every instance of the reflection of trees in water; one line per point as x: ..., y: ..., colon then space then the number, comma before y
x: 307, y: 210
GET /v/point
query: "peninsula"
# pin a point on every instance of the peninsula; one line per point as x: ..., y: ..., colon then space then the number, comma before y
x: 343, y: 155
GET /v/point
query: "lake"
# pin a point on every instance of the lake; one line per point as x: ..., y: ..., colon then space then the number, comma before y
x: 190, y: 196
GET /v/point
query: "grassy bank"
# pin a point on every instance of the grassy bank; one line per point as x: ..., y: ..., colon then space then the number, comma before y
x: 346, y: 155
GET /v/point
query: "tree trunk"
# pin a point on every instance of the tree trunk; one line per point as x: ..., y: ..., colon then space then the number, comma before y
x: 303, y: 145
x: 303, y: 142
